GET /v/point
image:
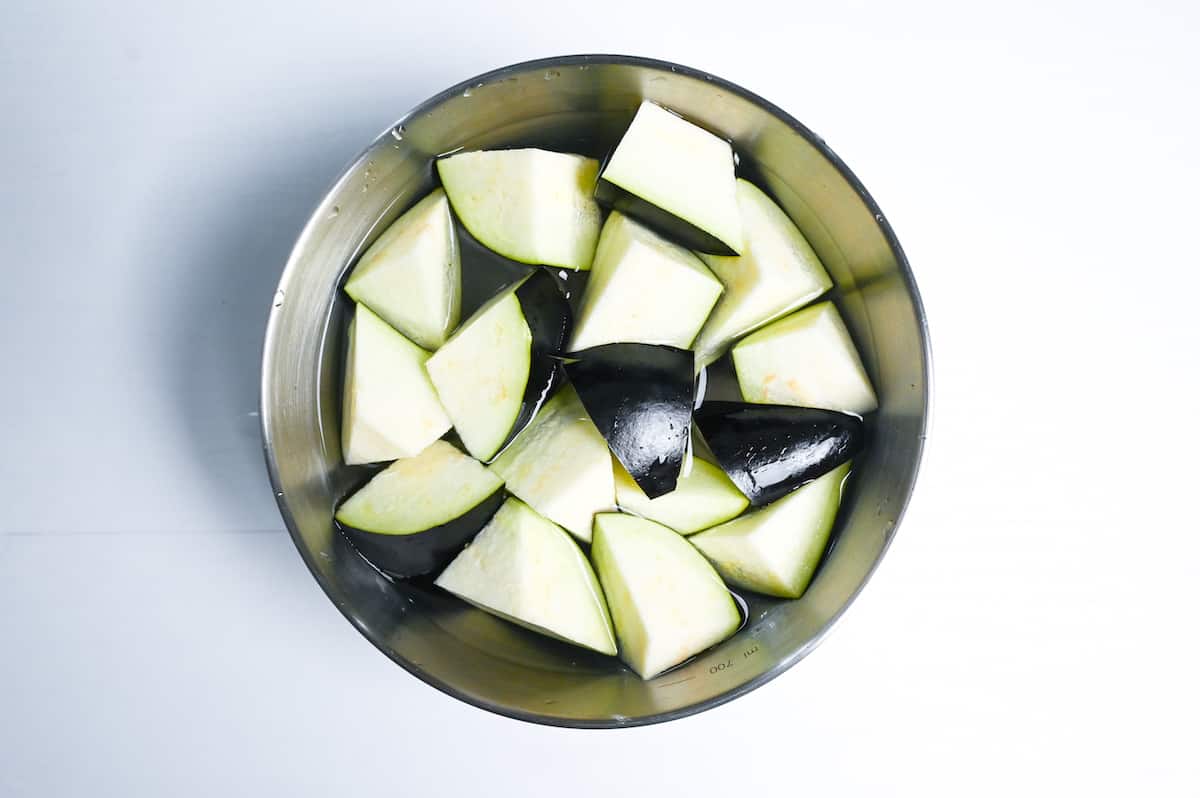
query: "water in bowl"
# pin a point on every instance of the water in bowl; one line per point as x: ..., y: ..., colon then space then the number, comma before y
x: 485, y: 273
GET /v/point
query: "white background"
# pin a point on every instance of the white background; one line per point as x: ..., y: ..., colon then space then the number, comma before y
x: 1033, y: 630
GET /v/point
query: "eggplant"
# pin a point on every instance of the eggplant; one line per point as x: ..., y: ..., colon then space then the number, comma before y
x: 389, y: 407
x: 412, y: 275
x: 634, y: 270
x: 805, y: 359
x: 527, y: 570
x: 771, y: 450
x: 529, y: 205
x: 560, y: 466
x: 776, y: 273
x: 499, y: 366
x: 640, y: 397
x: 676, y: 178
x: 665, y: 223
x: 667, y: 602
x: 417, y: 514
x: 702, y: 498
x: 776, y: 550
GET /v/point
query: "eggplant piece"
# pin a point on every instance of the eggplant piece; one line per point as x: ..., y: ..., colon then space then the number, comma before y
x: 665, y: 223
x: 805, y: 359
x: 676, y: 178
x: 529, y: 205
x: 634, y: 270
x: 572, y: 286
x: 414, y: 516
x: 667, y: 602
x: 412, y: 275
x: 640, y: 397
x: 497, y: 369
x: 776, y: 550
x: 702, y: 498
x: 485, y: 273
x: 529, y: 571
x: 389, y: 407
x: 771, y: 450
x: 776, y: 273
x: 560, y: 466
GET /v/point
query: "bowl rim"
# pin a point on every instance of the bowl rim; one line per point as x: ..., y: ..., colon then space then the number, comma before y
x: 580, y: 60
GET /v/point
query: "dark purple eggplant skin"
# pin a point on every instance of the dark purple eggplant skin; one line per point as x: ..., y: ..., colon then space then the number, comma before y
x: 640, y: 397
x: 548, y: 315
x: 571, y: 284
x: 484, y: 273
x: 770, y: 450
x: 423, y: 552
x: 661, y: 221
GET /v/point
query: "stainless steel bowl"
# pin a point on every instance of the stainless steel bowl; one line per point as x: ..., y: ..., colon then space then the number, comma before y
x: 583, y: 103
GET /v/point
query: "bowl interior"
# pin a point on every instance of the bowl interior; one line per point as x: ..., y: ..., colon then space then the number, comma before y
x: 582, y: 104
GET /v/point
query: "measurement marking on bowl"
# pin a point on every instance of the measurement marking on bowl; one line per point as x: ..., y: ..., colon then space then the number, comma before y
x: 677, y: 681
x: 730, y: 663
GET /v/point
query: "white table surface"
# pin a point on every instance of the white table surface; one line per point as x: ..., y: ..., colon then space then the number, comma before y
x: 1033, y: 630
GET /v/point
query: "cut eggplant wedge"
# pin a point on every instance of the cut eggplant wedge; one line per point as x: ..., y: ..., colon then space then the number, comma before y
x: 776, y: 273
x: 667, y: 602
x: 677, y: 178
x: 805, y: 359
x: 635, y: 276
x: 411, y: 276
x: 560, y: 466
x: 776, y: 550
x: 771, y: 450
x: 529, y: 205
x: 496, y: 370
x: 389, y: 407
x: 702, y: 498
x: 417, y: 514
x: 527, y: 570
x: 640, y: 397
